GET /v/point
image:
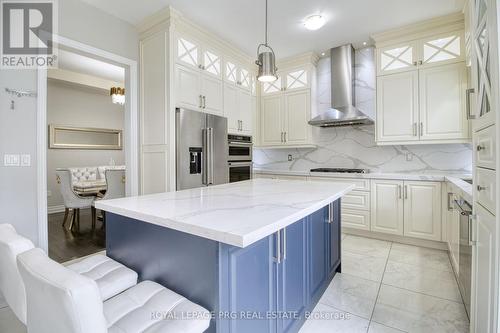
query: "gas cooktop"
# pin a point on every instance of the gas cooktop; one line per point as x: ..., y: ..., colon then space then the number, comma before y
x: 341, y: 170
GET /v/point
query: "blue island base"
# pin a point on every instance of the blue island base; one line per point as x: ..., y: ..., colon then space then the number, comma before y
x: 268, y: 286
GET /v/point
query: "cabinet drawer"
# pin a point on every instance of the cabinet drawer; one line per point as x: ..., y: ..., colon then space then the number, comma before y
x: 361, y: 184
x: 356, y: 219
x: 484, y: 147
x: 485, y: 188
x: 356, y: 200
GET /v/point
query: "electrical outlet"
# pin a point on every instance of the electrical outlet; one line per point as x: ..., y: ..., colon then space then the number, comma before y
x: 409, y: 156
x: 290, y: 157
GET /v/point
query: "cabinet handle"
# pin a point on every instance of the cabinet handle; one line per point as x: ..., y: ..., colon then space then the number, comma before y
x: 201, y: 101
x: 406, y: 191
x: 329, y: 219
x: 284, y: 137
x: 281, y: 137
x: 415, y: 129
x: 204, y: 102
x: 472, y: 242
x: 284, y: 245
x: 400, y: 192
x: 200, y: 66
x: 479, y: 148
x: 421, y: 128
x: 278, y: 247
x: 450, y: 195
x: 468, y: 92
x: 414, y: 63
x: 420, y: 62
x: 481, y: 188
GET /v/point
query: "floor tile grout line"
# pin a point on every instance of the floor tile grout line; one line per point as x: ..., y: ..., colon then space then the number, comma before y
x: 422, y: 293
x: 380, y: 286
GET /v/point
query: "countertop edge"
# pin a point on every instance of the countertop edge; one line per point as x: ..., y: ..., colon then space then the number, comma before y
x: 465, y: 189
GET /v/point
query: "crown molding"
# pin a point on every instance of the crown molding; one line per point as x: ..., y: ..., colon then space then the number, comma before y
x: 310, y: 58
x: 450, y: 22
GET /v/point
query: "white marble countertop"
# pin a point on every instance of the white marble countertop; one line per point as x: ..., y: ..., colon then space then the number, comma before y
x: 375, y: 175
x: 461, y: 188
x: 238, y: 214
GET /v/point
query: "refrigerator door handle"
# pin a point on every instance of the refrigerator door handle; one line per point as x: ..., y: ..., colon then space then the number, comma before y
x: 205, y: 154
x: 210, y: 157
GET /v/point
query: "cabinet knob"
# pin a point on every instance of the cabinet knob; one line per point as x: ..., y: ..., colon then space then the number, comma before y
x: 420, y: 62
x: 414, y: 63
x: 480, y: 147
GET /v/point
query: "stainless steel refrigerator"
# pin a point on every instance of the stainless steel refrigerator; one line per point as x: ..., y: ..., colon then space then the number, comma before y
x: 201, y: 149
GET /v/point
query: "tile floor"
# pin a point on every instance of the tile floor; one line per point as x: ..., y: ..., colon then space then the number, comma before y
x: 388, y: 287
x: 384, y: 287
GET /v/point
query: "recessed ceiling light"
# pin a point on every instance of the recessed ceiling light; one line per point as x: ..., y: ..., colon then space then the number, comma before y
x: 314, y: 22
x: 323, y: 54
x: 364, y: 43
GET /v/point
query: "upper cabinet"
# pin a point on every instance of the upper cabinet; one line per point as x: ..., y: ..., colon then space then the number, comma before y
x: 396, y: 58
x: 286, y: 106
x: 437, y: 49
x: 198, y: 78
x: 422, y: 87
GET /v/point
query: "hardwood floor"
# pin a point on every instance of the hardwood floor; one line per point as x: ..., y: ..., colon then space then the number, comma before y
x: 65, y: 245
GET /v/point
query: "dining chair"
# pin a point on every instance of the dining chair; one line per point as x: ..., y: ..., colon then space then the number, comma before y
x: 59, y: 300
x: 72, y: 202
x: 115, y: 188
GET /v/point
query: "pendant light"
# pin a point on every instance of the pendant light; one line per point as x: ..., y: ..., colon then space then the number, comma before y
x: 266, y: 60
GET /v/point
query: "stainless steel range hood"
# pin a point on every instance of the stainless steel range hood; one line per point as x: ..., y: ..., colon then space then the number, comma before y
x: 343, y: 111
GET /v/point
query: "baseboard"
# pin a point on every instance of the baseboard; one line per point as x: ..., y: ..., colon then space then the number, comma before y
x: 397, y: 239
x: 56, y: 209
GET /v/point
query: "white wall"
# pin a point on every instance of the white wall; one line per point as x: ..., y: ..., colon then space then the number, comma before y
x: 354, y: 146
x: 77, y: 21
x: 73, y: 105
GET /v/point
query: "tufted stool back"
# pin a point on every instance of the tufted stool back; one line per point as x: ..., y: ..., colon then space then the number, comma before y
x: 83, y: 174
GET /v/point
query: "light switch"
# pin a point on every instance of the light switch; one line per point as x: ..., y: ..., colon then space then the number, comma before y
x: 26, y: 160
x: 11, y: 160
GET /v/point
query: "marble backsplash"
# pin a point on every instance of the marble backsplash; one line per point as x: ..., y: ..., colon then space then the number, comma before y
x: 354, y: 146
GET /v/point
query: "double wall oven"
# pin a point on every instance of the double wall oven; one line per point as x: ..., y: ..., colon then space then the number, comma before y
x: 239, y: 157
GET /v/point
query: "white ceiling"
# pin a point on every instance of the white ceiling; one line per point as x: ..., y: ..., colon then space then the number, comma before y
x: 84, y: 65
x: 242, y: 21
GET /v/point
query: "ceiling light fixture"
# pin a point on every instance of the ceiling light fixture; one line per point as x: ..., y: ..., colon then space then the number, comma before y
x: 266, y: 60
x: 117, y: 95
x: 314, y: 22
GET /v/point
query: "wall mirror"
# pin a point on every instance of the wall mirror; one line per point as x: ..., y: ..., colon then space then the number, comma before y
x: 67, y: 137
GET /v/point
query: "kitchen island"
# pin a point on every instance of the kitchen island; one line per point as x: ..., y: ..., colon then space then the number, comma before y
x: 258, y: 254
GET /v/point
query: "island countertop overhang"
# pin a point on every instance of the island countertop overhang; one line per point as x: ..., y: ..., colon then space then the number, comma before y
x: 237, y: 214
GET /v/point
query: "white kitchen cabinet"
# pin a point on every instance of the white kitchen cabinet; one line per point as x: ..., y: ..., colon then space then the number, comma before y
x: 212, y: 94
x: 409, y: 208
x: 188, y: 51
x: 484, y: 271
x: 188, y: 90
x: 387, y: 206
x: 422, y: 83
x: 239, y: 110
x: 272, y: 113
x: 422, y: 209
x: 485, y: 188
x: 297, y: 114
x: 397, y: 107
x: 284, y: 118
x: 485, y: 147
x: 355, y: 219
x: 452, y: 228
x: 236, y: 74
x: 274, y: 87
x: 397, y: 58
x: 442, y: 102
x: 442, y: 48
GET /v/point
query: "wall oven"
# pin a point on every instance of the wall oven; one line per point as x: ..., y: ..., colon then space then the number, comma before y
x: 240, y: 164
x: 240, y: 147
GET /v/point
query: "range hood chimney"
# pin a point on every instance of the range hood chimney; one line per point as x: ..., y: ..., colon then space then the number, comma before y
x: 343, y: 111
